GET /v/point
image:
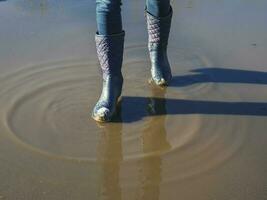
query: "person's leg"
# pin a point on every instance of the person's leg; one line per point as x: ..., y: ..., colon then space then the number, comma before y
x: 159, y: 15
x: 108, y: 16
x: 109, y: 40
x: 158, y: 8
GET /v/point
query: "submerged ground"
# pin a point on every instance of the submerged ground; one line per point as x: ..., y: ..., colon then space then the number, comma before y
x: 203, y: 138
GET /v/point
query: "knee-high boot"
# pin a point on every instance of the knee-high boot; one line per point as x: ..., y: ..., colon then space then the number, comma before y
x: 158, y: 35
x: 110, y: 54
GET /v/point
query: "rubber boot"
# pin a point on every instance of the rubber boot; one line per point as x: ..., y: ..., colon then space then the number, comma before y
x: 158, y: 35
x: 110, y: 55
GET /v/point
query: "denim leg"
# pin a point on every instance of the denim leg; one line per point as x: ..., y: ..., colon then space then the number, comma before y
x: 158, y: 8
x: 108, y: 16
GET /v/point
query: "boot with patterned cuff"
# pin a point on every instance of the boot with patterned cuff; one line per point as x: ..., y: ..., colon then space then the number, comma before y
x: 110, y: 55
x: 158, y: 35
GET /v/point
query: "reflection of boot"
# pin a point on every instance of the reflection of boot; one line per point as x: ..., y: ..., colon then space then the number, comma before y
x: 155, y: 137
x: 110, y: 55
x: 154, y: 144
x: 158, y: 34
x: 156, y: 104
x: 109, y: 157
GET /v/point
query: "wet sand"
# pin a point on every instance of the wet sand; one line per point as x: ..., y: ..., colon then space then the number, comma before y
x: 203, y: 137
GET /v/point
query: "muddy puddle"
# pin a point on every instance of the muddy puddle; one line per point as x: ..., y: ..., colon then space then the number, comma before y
x: 203, y: 137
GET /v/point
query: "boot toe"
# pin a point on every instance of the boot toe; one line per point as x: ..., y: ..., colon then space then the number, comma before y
x: 158, y: 81
x: 161, y: 81
x: 102, y: 114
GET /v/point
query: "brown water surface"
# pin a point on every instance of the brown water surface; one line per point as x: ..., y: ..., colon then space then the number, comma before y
x: 204, y: 137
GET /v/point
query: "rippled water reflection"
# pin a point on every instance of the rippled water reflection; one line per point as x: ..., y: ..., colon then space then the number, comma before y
x: 200, y: 138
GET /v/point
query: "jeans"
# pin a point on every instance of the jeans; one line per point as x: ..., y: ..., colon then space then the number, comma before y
x: 108, y: 14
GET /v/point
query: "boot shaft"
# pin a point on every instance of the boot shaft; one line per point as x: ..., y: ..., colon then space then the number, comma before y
x: 110, y: 53
x: 158, y: 30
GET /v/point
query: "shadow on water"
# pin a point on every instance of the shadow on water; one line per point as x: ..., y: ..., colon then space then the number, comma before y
x: 220, y: 75
x: 135, y: 108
